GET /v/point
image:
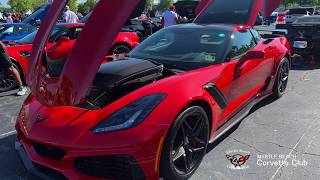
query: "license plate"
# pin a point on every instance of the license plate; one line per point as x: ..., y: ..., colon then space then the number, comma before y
x: 300, y: 44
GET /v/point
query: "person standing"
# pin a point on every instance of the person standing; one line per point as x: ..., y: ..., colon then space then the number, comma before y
x: 5, y: 63
x: 69, y: 16
x: 170, y: 17
x: 9, y: 19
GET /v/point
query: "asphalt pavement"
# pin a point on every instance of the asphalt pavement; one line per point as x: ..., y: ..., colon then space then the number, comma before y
x: 278, y: 140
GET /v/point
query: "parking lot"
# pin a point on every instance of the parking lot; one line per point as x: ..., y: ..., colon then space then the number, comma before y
x: 281, y: 136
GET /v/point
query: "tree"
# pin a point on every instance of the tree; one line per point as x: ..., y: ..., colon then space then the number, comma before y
x: 165, y: 4
x: 73, y: 4
x: 149, y: 5
x: 37, y: 3
x: 87, y: 6
x: 20, y: 5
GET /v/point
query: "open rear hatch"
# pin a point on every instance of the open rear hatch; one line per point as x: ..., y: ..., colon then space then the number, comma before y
x: 240, y: 12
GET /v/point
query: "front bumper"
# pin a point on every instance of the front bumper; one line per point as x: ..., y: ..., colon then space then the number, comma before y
x: 125, y: 163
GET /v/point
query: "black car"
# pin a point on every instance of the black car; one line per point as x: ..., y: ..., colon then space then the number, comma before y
x: 304, y: 35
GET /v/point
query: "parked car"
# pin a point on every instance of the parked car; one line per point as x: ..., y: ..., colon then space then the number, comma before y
x: 38, y: 15
x: 153, y: 114
x: 15, y: 31
x: 304, y: 35
x: 60, y: 43
x: 295, y: 13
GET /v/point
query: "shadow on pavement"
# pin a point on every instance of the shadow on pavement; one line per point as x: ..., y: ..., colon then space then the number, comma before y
x: 10, y: 164
x: 9, y: 93
x: 261, y: 104
x: 303, y: 64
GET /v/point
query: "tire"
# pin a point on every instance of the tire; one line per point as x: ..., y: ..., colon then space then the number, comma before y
x: 178, y: 151
x: 281, y: 82
x: 120, y: 49
x: 7, y: 81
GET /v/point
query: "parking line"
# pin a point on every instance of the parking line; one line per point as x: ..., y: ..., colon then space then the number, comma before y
x: 7, y: 134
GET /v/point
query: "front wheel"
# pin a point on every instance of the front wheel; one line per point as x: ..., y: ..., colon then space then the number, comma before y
x: 120, y: 49
x: 185, y: 145
x: 7, y: 80
x: 282, y: 78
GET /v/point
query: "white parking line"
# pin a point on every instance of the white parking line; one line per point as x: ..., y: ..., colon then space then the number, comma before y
x: 7, y: 134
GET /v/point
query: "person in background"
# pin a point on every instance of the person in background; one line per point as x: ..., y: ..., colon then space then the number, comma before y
x: 9, y: 18
x: 170, y: 17
x: 5, y: 63
x: 69, y: 16
x: 260, y: 19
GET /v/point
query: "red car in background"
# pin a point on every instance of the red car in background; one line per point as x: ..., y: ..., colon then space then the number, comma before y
x: 60, y: 42
x: 153, y: 114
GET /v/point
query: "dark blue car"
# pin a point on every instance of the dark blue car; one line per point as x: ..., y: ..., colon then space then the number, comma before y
x: 16, y: 31
x: 38, y: 15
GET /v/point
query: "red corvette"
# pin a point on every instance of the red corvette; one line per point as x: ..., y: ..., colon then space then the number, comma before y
x: 150, y: 115
x: 60, y: 42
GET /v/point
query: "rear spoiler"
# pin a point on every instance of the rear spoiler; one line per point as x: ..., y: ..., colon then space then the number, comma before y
x: 267, y: 34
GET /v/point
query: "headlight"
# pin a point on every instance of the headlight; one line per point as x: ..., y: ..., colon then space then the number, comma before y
x: 131, y: 115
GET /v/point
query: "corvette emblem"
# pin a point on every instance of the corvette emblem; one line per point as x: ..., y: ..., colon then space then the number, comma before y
x: 301, y: 33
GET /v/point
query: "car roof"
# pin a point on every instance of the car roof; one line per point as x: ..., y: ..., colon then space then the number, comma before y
x: 69, y: 25
x: 223, y: 27
x: 15, y: 24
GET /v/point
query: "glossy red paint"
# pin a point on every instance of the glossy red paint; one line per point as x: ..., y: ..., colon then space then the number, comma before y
x: 57, y: 50
x: 49, y: 116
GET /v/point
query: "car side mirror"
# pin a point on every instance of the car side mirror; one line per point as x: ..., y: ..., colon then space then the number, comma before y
x: 63, y: 39
x: 254, y: 55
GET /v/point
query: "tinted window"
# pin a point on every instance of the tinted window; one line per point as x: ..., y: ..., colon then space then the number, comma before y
x: 256, y: 35
x: 226, y: 11
x: 242, y: 42
x: 308, y: 20
x: 30, y: 38
x: 186, y: 48
x: 301, y: 11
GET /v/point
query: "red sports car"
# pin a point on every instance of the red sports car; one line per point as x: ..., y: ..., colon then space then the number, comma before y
x: 150, y: 115
x: 60, y: 42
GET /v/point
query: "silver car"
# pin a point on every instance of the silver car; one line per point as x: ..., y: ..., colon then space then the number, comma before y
x: 295, y: 13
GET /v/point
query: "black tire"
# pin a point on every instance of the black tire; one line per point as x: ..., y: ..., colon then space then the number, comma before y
x: 120, y: 49
x: 177, y: 151
x: 281, y: 81
x: 7, y: 81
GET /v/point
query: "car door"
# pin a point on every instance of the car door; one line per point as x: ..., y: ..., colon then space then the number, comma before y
x: 249, y: 75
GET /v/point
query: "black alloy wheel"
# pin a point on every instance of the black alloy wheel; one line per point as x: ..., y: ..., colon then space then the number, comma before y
x: 7, y: 81
x: 185, y: 145
x: 120, y: 49
x: 282, y: 78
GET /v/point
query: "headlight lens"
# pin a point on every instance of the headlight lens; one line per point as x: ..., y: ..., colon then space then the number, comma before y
x: 131, y: 115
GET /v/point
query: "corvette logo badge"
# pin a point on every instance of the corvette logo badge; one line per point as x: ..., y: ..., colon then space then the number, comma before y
x: 238, y: 159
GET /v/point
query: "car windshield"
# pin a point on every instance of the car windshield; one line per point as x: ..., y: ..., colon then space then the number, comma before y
x: 30, y: 38
x: 184, y: 48
x: 302, y: 11
x: 308, y: 20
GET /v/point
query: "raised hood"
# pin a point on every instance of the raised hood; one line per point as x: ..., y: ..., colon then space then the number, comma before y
x: 84, y: 59
x: 239, y: 12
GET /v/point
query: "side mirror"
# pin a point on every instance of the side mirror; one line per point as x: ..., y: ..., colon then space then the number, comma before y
x: 63, y: 39
x: 254, y: 55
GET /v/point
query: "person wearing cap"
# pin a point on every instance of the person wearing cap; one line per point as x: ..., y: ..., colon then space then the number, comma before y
x: 6, y: 64
x: 69, y: 16
x: 170, y: 17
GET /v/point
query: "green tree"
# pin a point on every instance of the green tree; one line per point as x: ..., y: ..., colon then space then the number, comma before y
x: 20, y: 5
x: 87, y: 6
x: 36, y: 3
x: 73, y: 4
x: 165, y: 4
x: 149, y: 5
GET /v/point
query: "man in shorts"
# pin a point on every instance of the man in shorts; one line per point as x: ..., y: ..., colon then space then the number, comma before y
x: 6, y: 64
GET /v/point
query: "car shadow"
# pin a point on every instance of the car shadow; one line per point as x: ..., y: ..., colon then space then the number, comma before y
x: 256, y: 107
x: 303, y: 64
x: 10, y: 164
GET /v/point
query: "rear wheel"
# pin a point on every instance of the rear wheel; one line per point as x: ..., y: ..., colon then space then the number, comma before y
x: 7, y: 81
x: 120, y: 49
x: 185, y: 145
x: 282, y: 78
